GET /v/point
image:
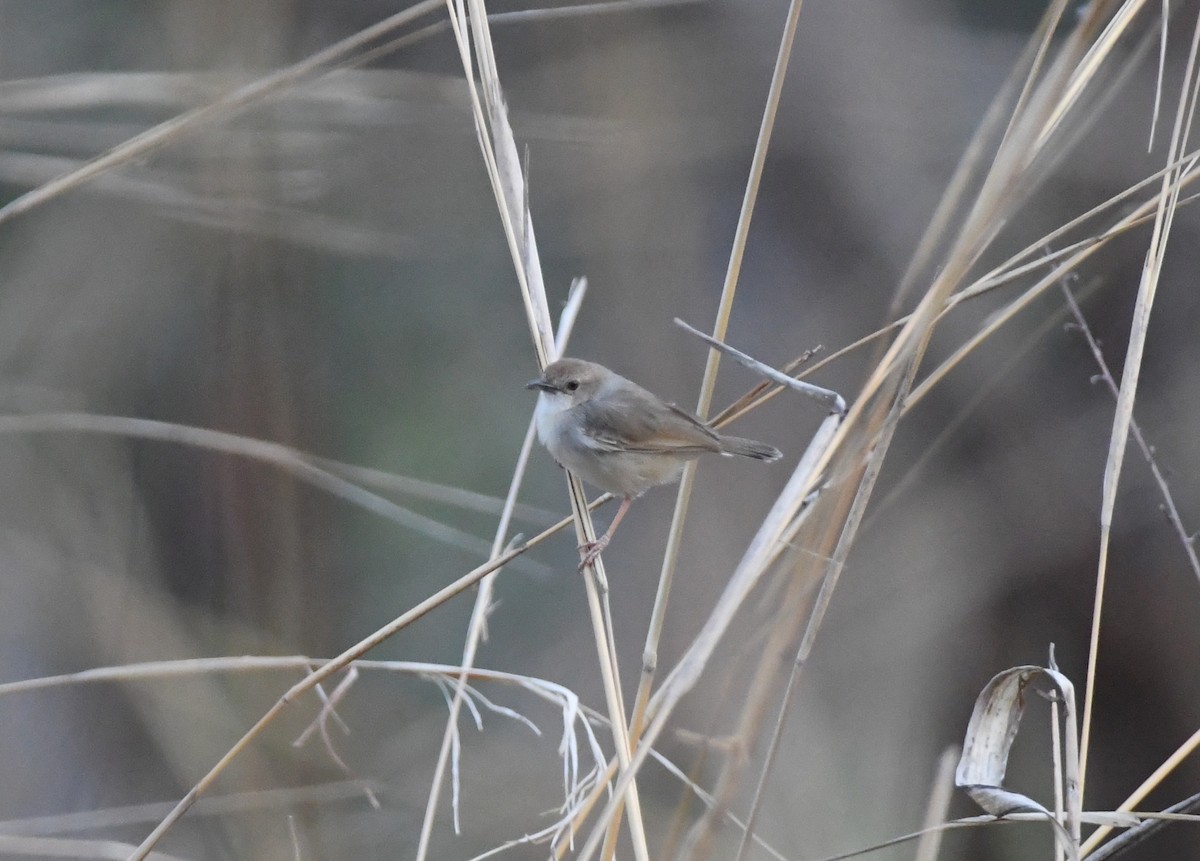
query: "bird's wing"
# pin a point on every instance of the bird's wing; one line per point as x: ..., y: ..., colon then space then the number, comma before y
x: 637, y: 421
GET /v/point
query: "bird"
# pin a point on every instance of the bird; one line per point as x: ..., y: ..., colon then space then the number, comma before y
x: 620, y: 437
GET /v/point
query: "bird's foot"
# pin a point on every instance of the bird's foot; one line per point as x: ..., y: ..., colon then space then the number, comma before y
x: 591, y: 550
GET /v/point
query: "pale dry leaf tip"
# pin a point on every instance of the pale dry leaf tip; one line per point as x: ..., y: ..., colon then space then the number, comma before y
x: 570, y: 313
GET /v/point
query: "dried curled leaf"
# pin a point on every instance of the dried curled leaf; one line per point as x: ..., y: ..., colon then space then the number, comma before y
x: 990, y: 735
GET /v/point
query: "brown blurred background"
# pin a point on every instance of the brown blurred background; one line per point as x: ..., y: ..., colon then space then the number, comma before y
x: 327, y: 270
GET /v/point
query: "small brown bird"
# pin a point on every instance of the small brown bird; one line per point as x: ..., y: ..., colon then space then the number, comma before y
x: 614, y: 434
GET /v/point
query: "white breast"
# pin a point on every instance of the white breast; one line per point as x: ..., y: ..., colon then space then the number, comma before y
x: 549, y: 415
x: 558, y: 430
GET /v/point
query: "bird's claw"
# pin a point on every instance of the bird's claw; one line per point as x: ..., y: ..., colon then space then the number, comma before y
x: 591, y: 550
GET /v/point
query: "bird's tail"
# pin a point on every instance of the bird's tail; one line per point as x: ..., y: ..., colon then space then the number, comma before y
x: 749, y: 448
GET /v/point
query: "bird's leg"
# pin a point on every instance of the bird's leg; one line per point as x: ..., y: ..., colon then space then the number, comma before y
x: 592, y: 549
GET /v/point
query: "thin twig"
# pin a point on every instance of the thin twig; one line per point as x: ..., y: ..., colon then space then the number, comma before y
x: 826, y: 397
x: 1105, y: 376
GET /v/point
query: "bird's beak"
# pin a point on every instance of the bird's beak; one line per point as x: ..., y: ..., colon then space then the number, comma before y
x: 541, y: 385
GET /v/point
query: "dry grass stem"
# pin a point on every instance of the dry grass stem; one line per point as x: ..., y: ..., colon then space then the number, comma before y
x: 940, y: 795
x: 216, y: 805
x: 500, y: 154
x: 708, y: 385
x: 1058, y: 758
x: 1154, y: 823
x: 1164, y: 216
x: 477, y: 627
x: 967, y: 171
x: 875, y: 413
x: 430, y: 491
x: 849, y: 521
x: 73, y: 848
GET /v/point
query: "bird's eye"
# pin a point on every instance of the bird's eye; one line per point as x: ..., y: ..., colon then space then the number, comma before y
x: 572, y: 385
